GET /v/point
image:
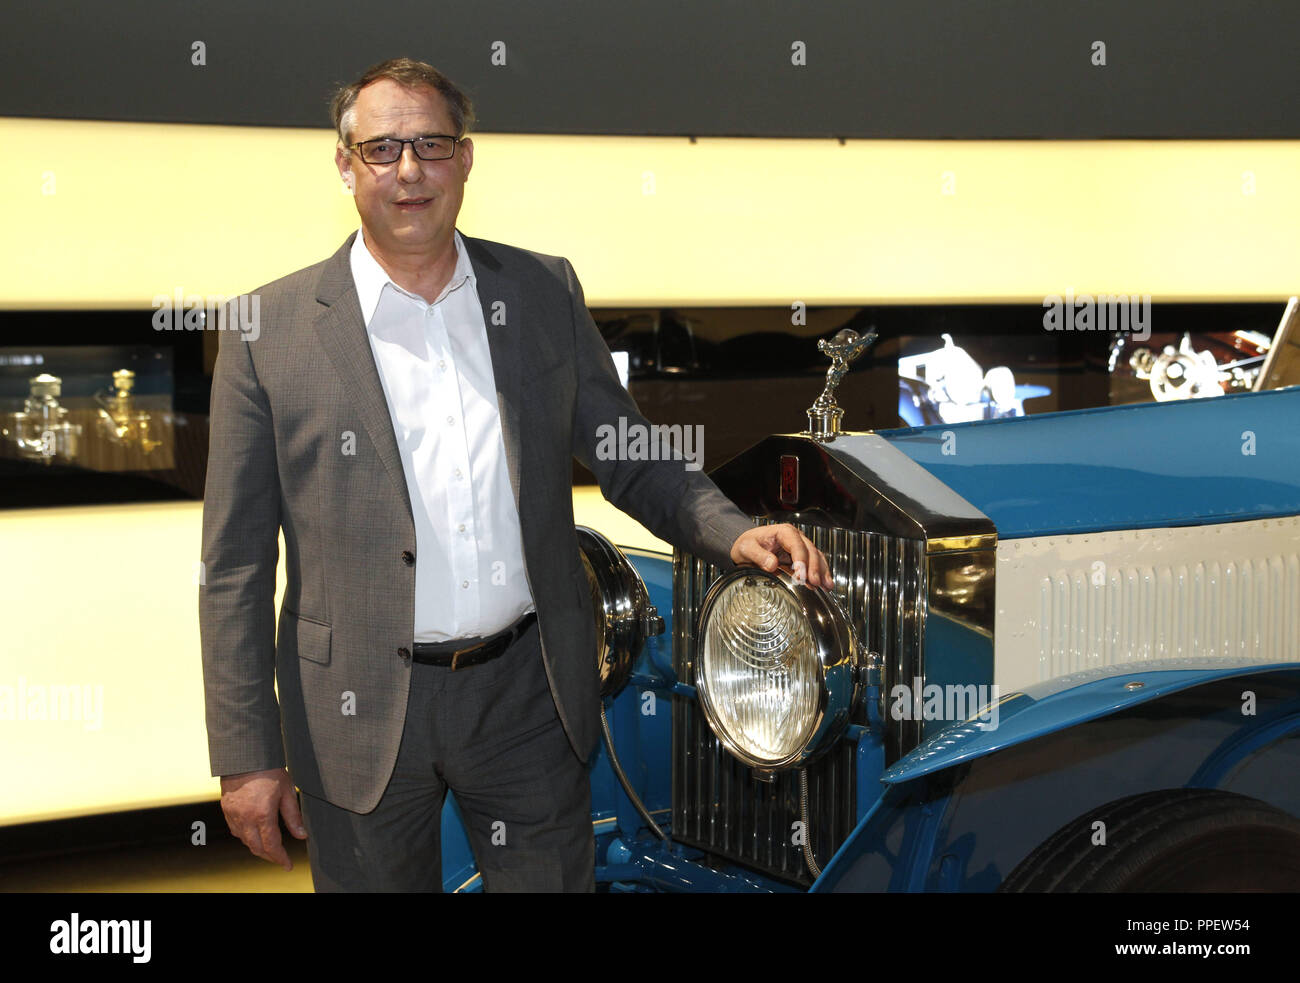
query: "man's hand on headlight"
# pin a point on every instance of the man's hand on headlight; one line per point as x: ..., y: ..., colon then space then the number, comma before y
x: 769, y: 547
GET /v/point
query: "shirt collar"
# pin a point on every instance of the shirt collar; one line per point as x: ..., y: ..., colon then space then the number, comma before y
x: 371, y: 279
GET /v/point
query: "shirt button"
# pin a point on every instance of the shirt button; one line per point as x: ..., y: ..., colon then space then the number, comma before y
x: 461, y: 527
x: 457, y: 472
x: 451, y: 419
x: 465, y: 584
x: 442, y: 364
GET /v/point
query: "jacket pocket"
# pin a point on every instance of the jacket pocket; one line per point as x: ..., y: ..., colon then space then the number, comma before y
x: 313, y: 640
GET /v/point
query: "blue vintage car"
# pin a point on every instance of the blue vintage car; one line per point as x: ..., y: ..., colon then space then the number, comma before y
x: 1061, y: 655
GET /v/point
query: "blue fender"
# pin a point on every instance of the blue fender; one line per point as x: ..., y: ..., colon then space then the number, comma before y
x: 963, y: 809
x: 1064, y: 702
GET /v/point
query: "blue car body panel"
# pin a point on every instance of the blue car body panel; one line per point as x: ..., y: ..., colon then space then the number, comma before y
x: 966, y: 827
x: 1224, y: 459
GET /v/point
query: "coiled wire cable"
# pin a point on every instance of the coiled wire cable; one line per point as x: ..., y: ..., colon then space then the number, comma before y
x: 808, y: 857
x: 623, y: 780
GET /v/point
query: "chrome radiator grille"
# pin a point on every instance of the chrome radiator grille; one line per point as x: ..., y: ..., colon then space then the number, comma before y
x: 718, y: 806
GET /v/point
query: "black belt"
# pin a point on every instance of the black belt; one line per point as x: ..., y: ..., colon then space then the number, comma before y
x: 443, y: 653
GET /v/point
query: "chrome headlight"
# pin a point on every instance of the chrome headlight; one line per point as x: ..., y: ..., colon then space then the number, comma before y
x: 776, y: 668
x: 625, y: 618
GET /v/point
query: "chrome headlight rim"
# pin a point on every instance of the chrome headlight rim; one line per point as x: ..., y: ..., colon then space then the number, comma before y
x: 837, y: 657
x: 625, y: 618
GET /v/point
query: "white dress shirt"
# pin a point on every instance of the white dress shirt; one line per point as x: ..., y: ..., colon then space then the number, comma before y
x: 436, y: 369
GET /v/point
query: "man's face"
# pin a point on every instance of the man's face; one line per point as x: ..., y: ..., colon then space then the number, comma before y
x: 411, y: 204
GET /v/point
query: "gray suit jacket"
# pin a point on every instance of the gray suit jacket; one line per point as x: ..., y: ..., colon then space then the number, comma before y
x: 282, y: 405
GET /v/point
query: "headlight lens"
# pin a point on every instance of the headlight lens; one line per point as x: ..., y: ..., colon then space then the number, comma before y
x: 775, y: 671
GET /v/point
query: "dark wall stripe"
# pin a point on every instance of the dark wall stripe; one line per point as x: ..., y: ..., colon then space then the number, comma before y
x: 923, y: 69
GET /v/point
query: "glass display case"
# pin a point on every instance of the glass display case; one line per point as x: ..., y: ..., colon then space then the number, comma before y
x: 744, y: 372
x: 104, y: 408
x: 121, y: 418
x: 100, y: 407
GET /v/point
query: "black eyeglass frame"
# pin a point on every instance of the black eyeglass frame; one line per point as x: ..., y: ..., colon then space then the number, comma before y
x: 455, y: 142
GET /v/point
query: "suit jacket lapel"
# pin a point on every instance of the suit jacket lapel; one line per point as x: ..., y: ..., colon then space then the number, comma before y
x: 341, y: 329
x: 498, y: 294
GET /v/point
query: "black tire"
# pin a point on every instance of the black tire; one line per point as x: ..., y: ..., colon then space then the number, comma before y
x: 1171, y: 840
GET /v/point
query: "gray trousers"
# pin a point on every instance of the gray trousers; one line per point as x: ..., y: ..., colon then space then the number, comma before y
x: 491, y: 733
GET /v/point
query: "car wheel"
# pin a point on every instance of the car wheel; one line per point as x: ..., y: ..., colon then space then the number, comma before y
x: 1171, y: 840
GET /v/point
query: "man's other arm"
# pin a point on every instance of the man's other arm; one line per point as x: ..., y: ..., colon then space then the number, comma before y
x: 241, y: 520
x: 680, y: 506
x: 241, y: 525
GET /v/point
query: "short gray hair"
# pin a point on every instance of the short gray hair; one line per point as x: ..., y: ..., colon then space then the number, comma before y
x: 411, y: 74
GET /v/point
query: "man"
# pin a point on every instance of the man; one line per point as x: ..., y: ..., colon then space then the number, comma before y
x: 406, y: 414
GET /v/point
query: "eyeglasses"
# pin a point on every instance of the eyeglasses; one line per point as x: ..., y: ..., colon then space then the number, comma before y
x: 386, y: 150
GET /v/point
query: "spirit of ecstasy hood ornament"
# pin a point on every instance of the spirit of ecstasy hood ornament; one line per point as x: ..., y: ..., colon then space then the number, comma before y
x: 824, y: 415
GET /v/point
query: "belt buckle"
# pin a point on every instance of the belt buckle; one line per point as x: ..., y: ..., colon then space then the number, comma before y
x: 455, y: 656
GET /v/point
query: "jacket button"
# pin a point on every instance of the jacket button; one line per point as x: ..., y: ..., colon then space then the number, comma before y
x: 408, y: 557
x: 405, y: 654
